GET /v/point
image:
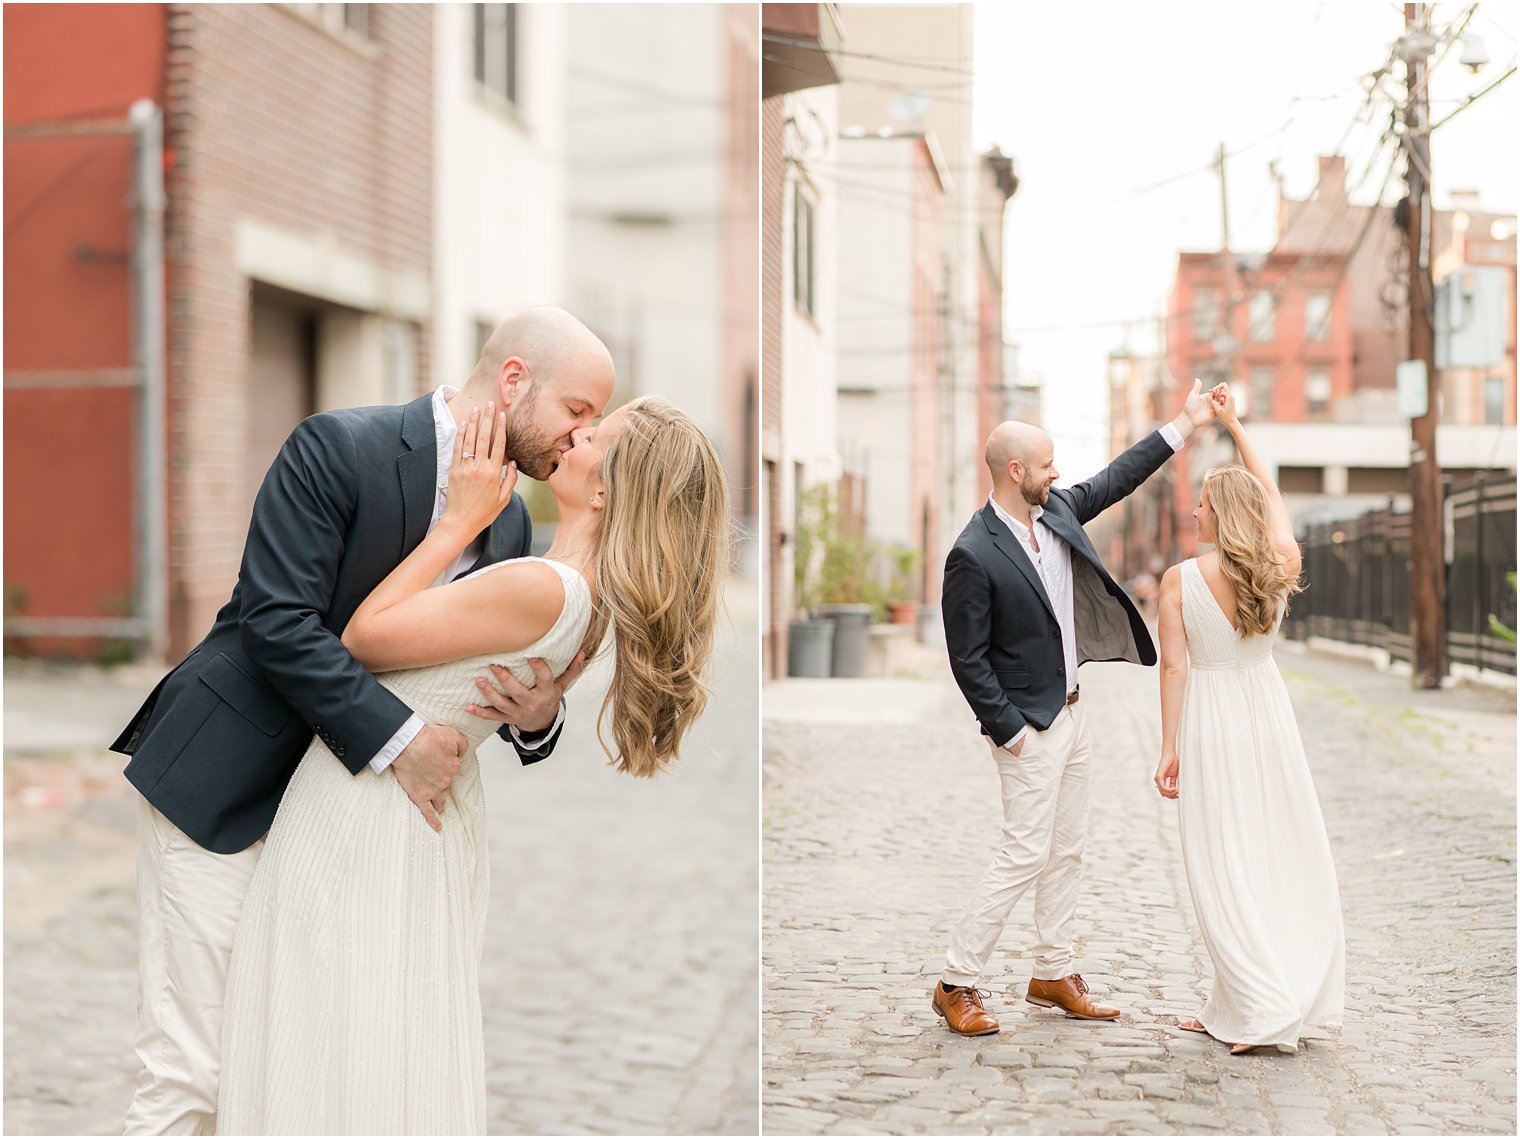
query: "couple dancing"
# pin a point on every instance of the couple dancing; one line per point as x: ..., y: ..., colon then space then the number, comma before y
x: 323, y: 978
x: 1025, y: 601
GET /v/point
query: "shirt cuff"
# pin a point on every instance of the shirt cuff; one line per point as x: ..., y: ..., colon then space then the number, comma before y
x: 539, y: 737
x: 398, y: 743
x: 1172, y: 436
x: 1020, y: 734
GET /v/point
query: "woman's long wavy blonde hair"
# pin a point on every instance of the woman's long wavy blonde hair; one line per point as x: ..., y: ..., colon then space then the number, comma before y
x: 661, y: 553
x: 1248, y: 553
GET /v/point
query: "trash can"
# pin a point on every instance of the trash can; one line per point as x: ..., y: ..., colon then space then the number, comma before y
x: 809, y: 647
x: 931, y: 626
x: 852, y: 637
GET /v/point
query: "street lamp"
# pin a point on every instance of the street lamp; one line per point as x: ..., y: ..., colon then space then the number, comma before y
x: 1474, y: 52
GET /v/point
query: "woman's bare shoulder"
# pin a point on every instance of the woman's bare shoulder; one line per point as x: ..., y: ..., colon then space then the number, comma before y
x: 527, y: 596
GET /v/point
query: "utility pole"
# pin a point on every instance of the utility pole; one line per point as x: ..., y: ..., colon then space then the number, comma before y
x: 1226, y: 345
x: 1224, y: 202
x: 1427, y: 552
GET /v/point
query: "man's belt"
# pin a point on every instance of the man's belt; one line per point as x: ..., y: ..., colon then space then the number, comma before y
x: 1071, y: 697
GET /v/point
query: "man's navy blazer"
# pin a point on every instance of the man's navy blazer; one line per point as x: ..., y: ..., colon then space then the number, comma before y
x: 350, y: 494
x: 1000, y: 628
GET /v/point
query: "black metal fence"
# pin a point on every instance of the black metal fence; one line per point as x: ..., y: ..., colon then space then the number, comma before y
x: 1356, y: 576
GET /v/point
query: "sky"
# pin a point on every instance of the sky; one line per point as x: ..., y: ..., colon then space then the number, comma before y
x: 1113, y: 115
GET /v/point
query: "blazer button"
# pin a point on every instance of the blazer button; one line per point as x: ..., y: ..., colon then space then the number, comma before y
x: 1060, y: 672
x: 1056, y: 636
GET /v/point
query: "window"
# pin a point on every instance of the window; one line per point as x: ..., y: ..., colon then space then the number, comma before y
x: 802, y: 251
x: 1242, y: 394
x: 338, y: 17
x: 1263, y: 380
x: 1317, y: 317
x: 1205, y: 315
x: 496, y: 49
x: 1493, y: 399
x: 1317, y: 391
x: 1263, y: 317
x: 1300, y: 480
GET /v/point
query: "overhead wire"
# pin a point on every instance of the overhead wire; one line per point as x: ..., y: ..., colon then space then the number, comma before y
x: 848, y: 53
x: 1471, y: 99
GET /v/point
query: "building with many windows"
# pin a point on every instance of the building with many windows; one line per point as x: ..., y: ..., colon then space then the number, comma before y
x: 798, y: 212
x: 1309, y: 338
x: 297, y: 250
x: 344, y: 201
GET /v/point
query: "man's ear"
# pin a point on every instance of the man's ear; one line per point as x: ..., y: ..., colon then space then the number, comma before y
x: 510, y: 380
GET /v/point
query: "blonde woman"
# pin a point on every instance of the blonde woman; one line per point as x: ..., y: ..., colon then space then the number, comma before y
x: 1253, y: 839
x: 353, y: 1001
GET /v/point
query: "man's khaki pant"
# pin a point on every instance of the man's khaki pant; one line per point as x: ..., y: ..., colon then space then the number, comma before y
x: 188, y: 902
x: 1045, y: 797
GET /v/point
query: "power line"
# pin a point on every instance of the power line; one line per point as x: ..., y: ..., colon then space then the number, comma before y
x: 901, y: 61
x: 1471, y: 99
x: 936, y: 94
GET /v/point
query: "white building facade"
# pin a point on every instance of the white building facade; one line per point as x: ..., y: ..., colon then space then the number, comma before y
x: 501, y: 239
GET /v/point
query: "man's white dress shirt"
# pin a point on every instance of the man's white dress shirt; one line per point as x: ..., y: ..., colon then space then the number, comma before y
x: 1052, y: 561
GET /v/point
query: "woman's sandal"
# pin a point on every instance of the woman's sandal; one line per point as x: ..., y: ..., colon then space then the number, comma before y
x: 1192, y: 1024
x: 1242, y: 1049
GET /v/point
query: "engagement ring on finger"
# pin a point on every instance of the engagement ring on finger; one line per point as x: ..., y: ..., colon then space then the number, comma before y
x: 467, y: 454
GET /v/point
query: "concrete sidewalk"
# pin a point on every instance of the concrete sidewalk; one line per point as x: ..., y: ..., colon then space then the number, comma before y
x: 865, y: 875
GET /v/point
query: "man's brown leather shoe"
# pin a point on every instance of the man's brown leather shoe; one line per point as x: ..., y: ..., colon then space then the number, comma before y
x: 962, y: 1009
x: 1070, y: 994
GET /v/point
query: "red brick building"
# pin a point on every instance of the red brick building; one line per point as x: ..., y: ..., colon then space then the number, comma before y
x: 1275, y: 326
x: 297, y: 162
x: 71, y: 382
x: 1310, y: 339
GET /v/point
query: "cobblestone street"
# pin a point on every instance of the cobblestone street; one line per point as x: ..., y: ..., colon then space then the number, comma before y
x: 881, y: 811
x: 619, y: 976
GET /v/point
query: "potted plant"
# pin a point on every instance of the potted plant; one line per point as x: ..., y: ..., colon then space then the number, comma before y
x: 834, y: 583
x: 810, y: 639
x: 901, y: 605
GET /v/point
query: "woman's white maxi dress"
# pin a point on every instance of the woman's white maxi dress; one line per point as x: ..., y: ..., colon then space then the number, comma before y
x: 353, y: 1002
x: 1253, y: 839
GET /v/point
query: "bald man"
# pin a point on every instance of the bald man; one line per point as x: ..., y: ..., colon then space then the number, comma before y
x: 1025, y: 601
x: 350, y: 494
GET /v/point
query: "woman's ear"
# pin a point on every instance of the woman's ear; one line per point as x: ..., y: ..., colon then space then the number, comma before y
x: 599, y: 499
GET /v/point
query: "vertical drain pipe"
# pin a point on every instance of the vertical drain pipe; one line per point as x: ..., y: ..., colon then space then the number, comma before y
x: 148, y: 345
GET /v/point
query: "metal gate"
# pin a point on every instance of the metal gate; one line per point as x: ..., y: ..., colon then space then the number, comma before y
x: 48, y: 161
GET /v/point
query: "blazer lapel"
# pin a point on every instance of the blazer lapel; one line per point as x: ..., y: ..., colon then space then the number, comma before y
x: 496, y: 549
x: 1067, y: 530
x: 1013, y: 550
x: 418, y: 470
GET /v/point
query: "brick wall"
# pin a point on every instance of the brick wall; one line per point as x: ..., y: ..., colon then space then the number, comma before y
x: 276, y: 120
x: 70, y: 526
x: 741, y: 44
x: 772, y: 186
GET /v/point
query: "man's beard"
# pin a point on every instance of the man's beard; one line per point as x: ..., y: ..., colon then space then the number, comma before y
x: 527, y: 445
x: 1035, y: 493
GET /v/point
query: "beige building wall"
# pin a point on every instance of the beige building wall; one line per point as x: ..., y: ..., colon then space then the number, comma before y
x: 888, y: 93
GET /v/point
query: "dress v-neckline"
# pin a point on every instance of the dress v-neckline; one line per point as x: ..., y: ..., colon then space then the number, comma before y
x: 1218, y: 608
